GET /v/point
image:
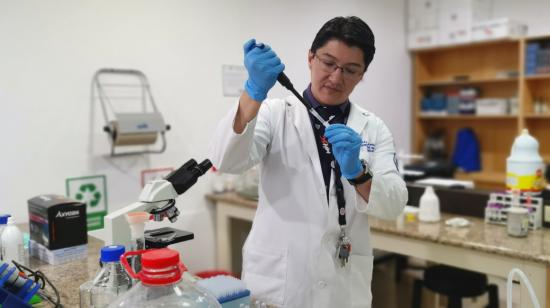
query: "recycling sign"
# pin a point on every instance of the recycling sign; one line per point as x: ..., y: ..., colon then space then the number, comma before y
x: 91, y: 190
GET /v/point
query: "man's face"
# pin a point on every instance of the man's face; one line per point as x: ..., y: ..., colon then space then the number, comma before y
x: 335, y: 69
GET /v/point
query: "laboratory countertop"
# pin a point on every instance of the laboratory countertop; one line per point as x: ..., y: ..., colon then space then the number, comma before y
x: 480, y: 236
x: 68, y: 277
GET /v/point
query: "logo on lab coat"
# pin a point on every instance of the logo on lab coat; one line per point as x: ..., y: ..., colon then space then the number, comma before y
x: 370, y: 146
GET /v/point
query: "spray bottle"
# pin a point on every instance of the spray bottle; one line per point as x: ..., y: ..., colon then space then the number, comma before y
x: 524, y: 166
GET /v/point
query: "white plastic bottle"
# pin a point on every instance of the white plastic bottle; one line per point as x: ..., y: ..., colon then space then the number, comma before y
x: 12, y: 243
x: 524, y: 166
x: 429, y: 206
x: 3, y: 223
x: 218, y: 185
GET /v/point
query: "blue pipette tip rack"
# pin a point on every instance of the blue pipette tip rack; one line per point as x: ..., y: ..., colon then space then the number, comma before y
x: 23, y: 295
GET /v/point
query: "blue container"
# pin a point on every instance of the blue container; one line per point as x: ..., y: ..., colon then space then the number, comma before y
x: 24, y: 294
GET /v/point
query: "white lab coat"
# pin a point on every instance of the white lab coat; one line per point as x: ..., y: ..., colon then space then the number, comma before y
x: 289, y: 256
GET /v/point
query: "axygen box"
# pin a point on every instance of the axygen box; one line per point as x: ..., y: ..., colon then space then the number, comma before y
x: 57, y: 221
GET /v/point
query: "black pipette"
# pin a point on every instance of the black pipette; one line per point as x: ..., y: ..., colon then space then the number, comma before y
x: 285, y: 82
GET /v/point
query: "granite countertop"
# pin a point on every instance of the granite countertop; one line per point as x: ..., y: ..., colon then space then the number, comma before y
x: 481, y: 236
x: 68, y: 277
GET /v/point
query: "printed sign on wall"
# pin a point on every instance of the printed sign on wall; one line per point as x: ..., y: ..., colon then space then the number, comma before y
x: 233, y: 79
x: 91, y: 190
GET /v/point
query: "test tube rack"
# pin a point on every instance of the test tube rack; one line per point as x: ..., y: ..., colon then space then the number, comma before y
x: 498, y: 203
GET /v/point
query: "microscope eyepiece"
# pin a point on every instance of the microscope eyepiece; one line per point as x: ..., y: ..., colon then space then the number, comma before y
x: 187, y: 175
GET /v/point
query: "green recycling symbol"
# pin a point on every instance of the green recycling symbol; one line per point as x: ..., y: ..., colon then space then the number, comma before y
x: 92, y: 189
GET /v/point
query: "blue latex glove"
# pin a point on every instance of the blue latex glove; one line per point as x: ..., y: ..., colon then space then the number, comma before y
x: 346, y: 144
x: 263, y: 68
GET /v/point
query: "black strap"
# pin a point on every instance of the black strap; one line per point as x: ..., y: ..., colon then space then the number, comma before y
x: 340, y: 198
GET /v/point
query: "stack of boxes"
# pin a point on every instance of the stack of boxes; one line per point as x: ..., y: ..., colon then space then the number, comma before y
x: 466, y: 101
x: 457, y: 17
x: 422, y: 23
x: 537, y: 58
x: 445, y: 22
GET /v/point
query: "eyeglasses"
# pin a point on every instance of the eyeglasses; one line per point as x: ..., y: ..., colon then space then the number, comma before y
x: 349, y: 72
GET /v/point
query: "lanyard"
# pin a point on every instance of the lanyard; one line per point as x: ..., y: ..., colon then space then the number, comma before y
x: 340, y: 199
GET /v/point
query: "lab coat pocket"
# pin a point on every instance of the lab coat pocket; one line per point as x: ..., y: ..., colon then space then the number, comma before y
x: 265, y: 271
x: 361, y: 277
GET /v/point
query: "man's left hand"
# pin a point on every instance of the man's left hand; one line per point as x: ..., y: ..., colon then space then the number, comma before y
x: 346, y: 144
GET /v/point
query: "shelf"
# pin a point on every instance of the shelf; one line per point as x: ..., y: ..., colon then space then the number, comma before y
x: 465, y: 45
x: 466, y: 117
x: 537, y: 116
x: 439, y: 83
x: 487, y: 66
x: 492, y: 178
x: 538, y: 77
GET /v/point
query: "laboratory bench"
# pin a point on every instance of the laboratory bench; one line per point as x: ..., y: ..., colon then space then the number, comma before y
x: 481, y: 247
x: 68, y: 277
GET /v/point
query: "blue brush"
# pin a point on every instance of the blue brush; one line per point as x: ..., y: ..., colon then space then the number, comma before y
x: 230, y: 291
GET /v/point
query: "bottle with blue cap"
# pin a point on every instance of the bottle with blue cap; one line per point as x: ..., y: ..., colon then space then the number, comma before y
x: 12, y: 243
x: 110, y: 281
x: 3, y: 223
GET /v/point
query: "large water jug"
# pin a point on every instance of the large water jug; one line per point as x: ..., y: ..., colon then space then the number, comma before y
x: 162, y: 283
x: 524, y: 166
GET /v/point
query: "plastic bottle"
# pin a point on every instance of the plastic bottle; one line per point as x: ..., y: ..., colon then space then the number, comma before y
x: 162, y: 283
x: 218, y: 185
x: 429, y: 206
x: 110, y: 281
x: 524, y: 166
x: 3, y: 223
x: 12, y: 242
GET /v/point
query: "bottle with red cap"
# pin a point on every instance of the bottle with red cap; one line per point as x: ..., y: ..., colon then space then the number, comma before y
x: 161, y: 283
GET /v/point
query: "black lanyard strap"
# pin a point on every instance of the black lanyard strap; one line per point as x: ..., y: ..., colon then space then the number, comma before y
x: 340, y: 198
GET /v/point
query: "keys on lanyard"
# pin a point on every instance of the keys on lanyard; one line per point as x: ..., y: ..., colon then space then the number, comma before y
x: 343, y: 248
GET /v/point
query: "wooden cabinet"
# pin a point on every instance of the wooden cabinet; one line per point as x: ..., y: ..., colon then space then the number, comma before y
x: 497, y: 70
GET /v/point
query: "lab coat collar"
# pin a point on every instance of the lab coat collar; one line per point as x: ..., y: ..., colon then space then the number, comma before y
x: 357, y: 120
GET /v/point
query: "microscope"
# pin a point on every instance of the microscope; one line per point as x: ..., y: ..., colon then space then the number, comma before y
x: 158, y: 198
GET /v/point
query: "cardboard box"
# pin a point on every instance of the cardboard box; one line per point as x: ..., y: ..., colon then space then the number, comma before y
x: 58, y: 256
x: 57, y: 221
x: 422, y: 15
x: 422, y: 39
x: 456, y: 19
x: 497, y: 29
x: 491, y: 106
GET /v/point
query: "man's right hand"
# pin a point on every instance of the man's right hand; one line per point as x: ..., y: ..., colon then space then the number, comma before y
x: 263, y: 66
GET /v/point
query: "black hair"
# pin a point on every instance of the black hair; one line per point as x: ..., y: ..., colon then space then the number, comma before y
x: 351, y: 30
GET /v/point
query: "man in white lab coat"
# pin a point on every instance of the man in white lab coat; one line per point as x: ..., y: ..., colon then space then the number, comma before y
x: 310, y: 241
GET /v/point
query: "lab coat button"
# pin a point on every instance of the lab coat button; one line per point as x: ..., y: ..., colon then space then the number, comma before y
x: 322, y: 284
